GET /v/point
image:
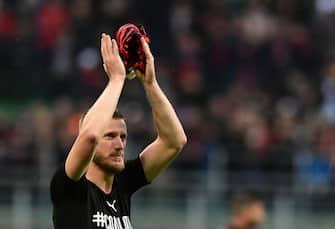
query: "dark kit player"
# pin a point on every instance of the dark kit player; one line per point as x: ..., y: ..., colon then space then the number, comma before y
x: 94, y: 186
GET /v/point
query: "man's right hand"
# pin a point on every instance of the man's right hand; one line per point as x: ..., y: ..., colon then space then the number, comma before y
x: 112, y: 62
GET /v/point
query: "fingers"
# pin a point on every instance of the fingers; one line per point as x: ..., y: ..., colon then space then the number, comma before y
x: 146, y: 50
x: 115, y: 47
x: 103, y: 46
x: 109, y: 46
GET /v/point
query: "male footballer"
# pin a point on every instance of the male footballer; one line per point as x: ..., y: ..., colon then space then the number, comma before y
x: 93, y: 188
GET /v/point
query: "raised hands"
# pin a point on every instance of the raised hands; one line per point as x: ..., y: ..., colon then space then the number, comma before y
x: 111, y: 58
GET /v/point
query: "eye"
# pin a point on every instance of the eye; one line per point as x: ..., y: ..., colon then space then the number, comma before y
x: 110, y: 135
x: 123, y: 137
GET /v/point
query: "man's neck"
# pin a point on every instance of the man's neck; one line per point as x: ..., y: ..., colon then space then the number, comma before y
x: 102, y: 180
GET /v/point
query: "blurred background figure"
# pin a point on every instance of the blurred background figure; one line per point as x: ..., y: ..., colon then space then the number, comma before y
x: 247, y: 211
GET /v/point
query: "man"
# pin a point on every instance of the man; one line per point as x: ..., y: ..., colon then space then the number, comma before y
x: 248, y: 211
x: 93, y: 188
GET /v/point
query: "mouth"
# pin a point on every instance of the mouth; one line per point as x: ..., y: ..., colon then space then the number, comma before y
x: 116, y: 158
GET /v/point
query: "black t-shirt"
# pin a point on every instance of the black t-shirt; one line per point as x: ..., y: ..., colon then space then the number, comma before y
x: 81, y: 204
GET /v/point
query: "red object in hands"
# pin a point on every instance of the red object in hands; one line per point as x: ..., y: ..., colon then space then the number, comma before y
x: 131, y: 51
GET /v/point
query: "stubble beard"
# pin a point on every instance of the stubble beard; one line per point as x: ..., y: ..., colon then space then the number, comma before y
x: 108, y: 168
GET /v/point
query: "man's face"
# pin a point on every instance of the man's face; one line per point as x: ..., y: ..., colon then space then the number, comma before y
x: 109, y: 151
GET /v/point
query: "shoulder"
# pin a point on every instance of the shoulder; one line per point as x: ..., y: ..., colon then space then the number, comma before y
x: 133, y: 169
x: 132, y: 177
x: 61, y: 185
x: 60, y: 178
x: 133, y: 164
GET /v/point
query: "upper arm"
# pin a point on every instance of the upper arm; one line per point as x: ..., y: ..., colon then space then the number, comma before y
x: 80, y: 155
x: 156, y: 157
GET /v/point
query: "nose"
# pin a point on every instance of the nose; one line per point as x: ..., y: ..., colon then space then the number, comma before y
x: 119, y: 143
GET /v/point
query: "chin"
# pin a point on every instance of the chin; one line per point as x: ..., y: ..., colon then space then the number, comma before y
x: 116, y: 167
x: 111, y: 167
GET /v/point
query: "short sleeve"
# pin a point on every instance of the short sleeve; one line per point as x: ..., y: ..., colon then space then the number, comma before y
x: 63, y: 188
x: 132, y: 178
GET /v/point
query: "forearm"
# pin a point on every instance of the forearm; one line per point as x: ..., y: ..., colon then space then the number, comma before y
x: 103, y: 109
x: 101, y: 112
x: 92, y: 127
x: 169, y: 128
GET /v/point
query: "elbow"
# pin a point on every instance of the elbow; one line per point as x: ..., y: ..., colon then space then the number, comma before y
x: 180, y: 142
x: 89, y: 135
x: 174, y: 144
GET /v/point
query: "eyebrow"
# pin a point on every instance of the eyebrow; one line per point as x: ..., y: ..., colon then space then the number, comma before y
x: 116, y: 132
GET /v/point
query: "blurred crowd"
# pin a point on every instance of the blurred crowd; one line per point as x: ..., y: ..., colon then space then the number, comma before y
x: 253, y: 82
